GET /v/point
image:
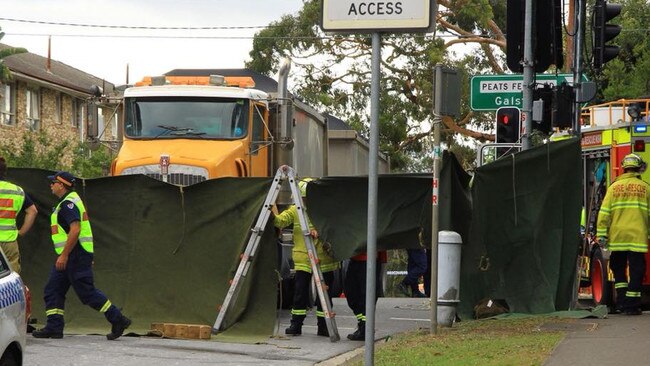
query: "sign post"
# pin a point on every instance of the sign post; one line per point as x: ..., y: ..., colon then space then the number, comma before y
x: 371, y: 16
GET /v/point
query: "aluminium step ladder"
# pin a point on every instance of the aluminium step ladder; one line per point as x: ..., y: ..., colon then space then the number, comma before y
x: 283, y: 173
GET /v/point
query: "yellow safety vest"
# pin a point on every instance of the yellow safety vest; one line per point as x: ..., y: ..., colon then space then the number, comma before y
x: 11, y: 201
x: 60, y: 237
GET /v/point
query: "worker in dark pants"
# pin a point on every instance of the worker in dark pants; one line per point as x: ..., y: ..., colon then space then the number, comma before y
x: 416, y: 268
x: 355, y: 290
x: 302, y: 265
x: 624, y: 227
x: 73, y: 243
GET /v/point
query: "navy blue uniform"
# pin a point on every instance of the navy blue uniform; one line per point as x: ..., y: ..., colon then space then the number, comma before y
x: 78, y: 274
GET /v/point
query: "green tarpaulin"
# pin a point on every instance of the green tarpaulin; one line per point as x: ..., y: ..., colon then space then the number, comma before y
x: 524, y: 238
x: 162, y: 253
x: 338, y: 206
x: 165, y: 253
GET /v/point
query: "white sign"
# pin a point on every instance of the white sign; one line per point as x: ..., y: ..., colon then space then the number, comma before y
x: 375, y: 15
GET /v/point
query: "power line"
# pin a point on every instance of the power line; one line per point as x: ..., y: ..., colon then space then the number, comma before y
x: 211, y: 37
x: 130, y: 26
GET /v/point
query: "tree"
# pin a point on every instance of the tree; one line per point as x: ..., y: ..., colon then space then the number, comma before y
x: 5, y: 75
x: 334, y: 72
x: 39, y: 150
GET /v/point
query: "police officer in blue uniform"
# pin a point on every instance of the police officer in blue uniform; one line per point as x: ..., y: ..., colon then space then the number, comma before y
x: 73, y: 243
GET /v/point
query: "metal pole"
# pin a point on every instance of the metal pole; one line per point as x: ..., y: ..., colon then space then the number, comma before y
x: 371, y: 250
x: 437, y: 119
x: 528, y: 76
x: 577, y: 61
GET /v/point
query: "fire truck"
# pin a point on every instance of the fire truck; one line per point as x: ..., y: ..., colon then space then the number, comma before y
x: 609, y: 132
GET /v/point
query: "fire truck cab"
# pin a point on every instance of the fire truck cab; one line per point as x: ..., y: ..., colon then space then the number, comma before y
x: 609, y: 132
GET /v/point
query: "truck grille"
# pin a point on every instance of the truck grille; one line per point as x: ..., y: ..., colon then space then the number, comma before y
x: 182, y: 175
x: 179, y: 178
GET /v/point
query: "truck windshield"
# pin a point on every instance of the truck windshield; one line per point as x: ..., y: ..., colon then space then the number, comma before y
x: 186, y: 117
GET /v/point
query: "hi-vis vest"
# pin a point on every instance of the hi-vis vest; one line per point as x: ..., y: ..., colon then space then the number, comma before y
x: 59, y: 236
x: 11, y: 201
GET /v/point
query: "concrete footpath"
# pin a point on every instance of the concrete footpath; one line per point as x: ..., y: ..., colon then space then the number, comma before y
x: 615, y: 340
x: 394, y: 315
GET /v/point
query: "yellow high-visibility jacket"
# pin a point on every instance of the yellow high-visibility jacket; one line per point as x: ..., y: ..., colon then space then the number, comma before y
x: 623, y: 219
x: 299, y: 252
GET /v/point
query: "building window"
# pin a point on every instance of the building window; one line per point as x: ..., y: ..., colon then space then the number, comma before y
x: 8, y: 104
x: 77, y: 113
x: 58, y: 118
x: 32, y: 109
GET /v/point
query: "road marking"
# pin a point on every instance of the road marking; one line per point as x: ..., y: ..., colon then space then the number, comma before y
x: 412, y: 319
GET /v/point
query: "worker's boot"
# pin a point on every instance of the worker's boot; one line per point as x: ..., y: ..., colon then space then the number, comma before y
x: 620, y: 300
x: 296, y: 325
x: 633, y: 306
x: 322, y: 327
x: 118, y: 327
x: 360, y: 333
x: 415, y: 291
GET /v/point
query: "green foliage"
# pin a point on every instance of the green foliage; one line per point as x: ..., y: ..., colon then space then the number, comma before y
x: 92, y: 164
x: 36, y: 151
x: 39, y: 150
x: 333, y: 73
x: 627, y: 75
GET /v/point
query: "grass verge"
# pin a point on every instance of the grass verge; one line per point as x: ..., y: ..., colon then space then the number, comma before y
x: 476, y: 342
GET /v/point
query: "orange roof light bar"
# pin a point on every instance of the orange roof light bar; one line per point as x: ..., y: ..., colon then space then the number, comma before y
x: 237, y: 81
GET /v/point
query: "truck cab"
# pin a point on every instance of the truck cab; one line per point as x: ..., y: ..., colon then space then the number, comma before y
x: 184, y: 133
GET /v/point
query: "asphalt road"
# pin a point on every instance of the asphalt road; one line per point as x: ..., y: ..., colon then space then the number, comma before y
x: 394, y: 315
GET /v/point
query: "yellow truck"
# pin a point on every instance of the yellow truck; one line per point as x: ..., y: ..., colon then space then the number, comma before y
x: 184, y: 129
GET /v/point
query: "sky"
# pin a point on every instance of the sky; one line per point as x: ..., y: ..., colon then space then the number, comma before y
x: 105, y: 51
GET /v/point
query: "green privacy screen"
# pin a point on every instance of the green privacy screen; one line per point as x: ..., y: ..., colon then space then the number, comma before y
x: 162, y: 253
x: 165, y: 253
x: 524, y: 238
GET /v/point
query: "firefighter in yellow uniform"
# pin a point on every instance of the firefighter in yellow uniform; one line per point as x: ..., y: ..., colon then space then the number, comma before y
x: 302, y: 278
x: 624, y: 227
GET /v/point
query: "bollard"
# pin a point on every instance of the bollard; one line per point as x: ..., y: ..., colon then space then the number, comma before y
x: 449, y: 248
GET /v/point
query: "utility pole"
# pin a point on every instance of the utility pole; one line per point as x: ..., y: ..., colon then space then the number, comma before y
x: 579, y: 32
x: 529, y: 70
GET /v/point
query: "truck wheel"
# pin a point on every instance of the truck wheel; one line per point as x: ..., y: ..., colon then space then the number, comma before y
x: 600, y: 287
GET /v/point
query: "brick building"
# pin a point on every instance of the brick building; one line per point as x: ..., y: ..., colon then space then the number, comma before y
x: 50, y: 96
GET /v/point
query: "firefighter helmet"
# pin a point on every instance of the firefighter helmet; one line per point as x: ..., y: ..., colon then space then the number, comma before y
x: 632, y: 161
x: 302, y: 184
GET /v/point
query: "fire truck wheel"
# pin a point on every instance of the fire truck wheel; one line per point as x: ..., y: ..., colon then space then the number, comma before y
x: 600, y: 287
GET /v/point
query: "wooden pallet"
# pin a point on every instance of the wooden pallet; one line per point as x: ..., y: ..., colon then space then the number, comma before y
x: 184, y: 331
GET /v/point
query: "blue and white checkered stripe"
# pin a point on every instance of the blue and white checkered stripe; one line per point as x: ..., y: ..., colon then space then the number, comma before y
x: 11, y: 292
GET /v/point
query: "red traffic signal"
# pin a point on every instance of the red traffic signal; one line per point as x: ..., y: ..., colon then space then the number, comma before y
x: 508, y: 121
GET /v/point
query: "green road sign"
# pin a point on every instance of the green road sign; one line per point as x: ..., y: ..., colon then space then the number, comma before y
x: 491, y: 92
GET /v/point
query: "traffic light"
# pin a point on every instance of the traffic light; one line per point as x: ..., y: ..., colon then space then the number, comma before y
x: 508, y: 121
x: 547, y: 34
x: 563, y: 101
x: 545, y: 94
x: 603, y: 32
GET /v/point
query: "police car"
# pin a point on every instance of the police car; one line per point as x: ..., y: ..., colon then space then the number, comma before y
x: 13, y: 318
